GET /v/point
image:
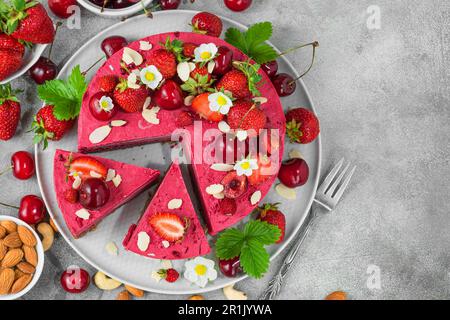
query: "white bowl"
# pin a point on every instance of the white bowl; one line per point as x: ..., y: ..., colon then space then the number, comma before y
x: 114, y: 13
x: 29, y: 59
x: 39, y: 267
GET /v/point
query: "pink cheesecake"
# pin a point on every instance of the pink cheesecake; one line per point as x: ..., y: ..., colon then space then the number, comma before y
x: 124, y: 182
x: 172, y: 200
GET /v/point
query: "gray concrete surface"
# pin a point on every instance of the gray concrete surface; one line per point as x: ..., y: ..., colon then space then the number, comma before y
x: 383, y: 100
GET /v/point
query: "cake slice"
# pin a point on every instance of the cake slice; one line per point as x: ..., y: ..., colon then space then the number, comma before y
x: 89, y: 188
x: 169, y: 228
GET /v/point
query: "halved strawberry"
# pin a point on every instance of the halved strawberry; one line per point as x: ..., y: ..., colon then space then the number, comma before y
x: 88, y: 166
x: 168, y: 226
x: 201, y: 106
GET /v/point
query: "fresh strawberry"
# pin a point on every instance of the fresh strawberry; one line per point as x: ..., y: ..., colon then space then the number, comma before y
x: 246, y: 115
x: 71, y: 195
x: 200, y: 71
x: 207, y: 23
x: 302, y: 126
x: 9, y: 112
x: 188, y: 49
x: 130, y: 100
x: 168, y: 226
x: 170, y: 275
x: 270, y: 214
x: 236, y: 82
x: 10, y: 62
x: 228, y: 207
x: 47, y: 127
x: 9, y: 43
x: 184, y: 119
x: 107, y: 83
x: 165, y: 61
x: 201, y: 106
x: 31, y: 22
x: 86, y: 166
x: 262, y: 174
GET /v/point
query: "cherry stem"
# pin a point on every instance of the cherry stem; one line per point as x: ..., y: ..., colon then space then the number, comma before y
x: 90, y: 68
x: 105, y: 2
x: 314, y: 45
x: 58, y: 24
x: 9, y: 206
x: 6, y: 170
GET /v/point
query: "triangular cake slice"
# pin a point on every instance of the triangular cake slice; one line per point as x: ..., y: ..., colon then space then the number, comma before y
x: 169, y: 228
x: 124, y: 182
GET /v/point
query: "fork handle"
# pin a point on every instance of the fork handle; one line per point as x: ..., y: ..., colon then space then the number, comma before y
x: 275, y: 285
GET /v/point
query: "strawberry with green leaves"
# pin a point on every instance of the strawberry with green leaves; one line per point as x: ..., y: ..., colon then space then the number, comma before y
x: 62, y: 100
x: 207, y: 23
x: 302, y: 126
x: 28, y: 21
x: 272, y: 215
x: 246, y: 115
x: 130, y: 100
x: 9, y: 112
x: 11, y: 54
x: 242, y: 81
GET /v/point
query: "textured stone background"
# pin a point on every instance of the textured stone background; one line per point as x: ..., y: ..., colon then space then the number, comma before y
x: 383, y: 99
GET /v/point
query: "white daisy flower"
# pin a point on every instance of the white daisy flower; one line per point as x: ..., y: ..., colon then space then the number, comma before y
x: 205, y: 52
x: 151, y: 77
x: 200, y: 271
x: 220, y: 102
x: 246, y: 167
x: 106, y: 103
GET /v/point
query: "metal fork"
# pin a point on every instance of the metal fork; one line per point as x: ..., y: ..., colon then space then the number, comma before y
x: 328, y: 195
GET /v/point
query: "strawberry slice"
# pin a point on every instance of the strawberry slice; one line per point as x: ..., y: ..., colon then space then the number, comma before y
x: 86, y: 166
x: 168, y: 226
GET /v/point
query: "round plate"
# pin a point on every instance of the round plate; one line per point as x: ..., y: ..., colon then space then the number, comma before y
x: 128, y: 267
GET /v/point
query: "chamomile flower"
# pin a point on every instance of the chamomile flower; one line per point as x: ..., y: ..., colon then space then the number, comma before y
x: 246, y: 167
x: 205, y: 52
x: 200, y: 271
x: 106, y: 103
x: 151, y: 77
x: 220, y: 102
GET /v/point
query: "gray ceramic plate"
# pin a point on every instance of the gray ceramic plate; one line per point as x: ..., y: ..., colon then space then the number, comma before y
x: 128, y: 267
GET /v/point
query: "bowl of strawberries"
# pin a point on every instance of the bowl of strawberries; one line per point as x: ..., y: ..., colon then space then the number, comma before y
x: 25, y: 31
x: 114, y: 8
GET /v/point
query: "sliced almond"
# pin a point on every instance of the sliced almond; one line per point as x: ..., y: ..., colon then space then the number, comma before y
x: 183, y: 71
x: 83, y: 214
x: 110, y: 175
x: 150, y: 116
x: 132, y: 81
x: 286, y: 192
x: 219, y: 196
x: 145, y: 45
x: 192, y: 66
x: 117, y: 180
x: 112, y: 249
x: 143, y: 241
x: 94, y: 174
x: 165, y: 244
x: 147, y: 102
x: 118, y: 123
x: 130, y: 56
x: 175, y: 204
x: 76, y: 183
x: 260, y: 100
x: 214, y: 189
x: 188, y: 100
x: 295, y: 154
x: 100, y: 134
x: 255, y: 198
x: 222, y: 167
x: 224, y: 127
x: 211, y: 66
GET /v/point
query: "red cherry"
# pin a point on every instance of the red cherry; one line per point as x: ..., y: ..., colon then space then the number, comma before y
x: 235, y: 186
x: 230, y: 268
x: 169, y: 4
x: 93, y: 193
x: 43, y: 70
x: 32, y: 209
x: 294, y: 173
x: 61, y: 7
x: 284, y: 84
x: 270, y: 68
x: 169, y: 96
x: 22, y: 165
x: 238, y: 5
x: 113, y: 44
x: 75, y: 280
x: 99, y: 112
x: 223, y: 61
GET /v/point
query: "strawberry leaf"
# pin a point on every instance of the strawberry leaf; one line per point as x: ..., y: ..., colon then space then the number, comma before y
x: 254, y: 259
x: 263, y: 232
x: 229, y: 244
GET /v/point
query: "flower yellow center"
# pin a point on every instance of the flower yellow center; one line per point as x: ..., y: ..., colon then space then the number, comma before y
x: 104, y: 104
x: 221, y: 100
x: 245, y: 165
x: 205, y: 55
x: 200, y: 269
x: 149, y: 76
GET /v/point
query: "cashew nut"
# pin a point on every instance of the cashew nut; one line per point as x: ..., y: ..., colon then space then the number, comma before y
x: 232, y: 294
x: 105, y: 283
x: 48, y: 235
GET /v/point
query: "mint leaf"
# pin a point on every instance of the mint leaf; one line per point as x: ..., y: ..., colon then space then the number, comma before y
x: 263, y: 232
x: 254, y: 259
x: 229, y: 244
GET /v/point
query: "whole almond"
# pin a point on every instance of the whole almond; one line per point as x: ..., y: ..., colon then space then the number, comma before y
x: 12, y: 240
x: 12, y: 258
x: 30, y: 255
x: 21, y: 283
x: 6, y: 280
x: 123, y: 295
x: 26, y: 236
x: 3, y: 249
x: 337, y: 295
x: 134, y: 291
x: 18, y: 274
x: 10, y: 226
x: 25, y: 267
x: 2, y: 232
